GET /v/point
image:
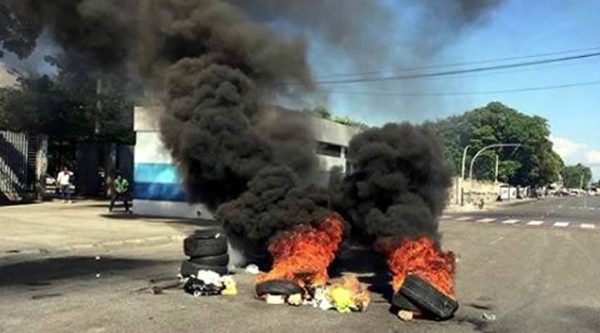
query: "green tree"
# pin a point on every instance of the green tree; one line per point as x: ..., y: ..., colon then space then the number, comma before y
x: 576, y: 176
x: 533, y: 164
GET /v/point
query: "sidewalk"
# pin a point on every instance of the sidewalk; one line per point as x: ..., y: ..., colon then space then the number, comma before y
x: 55, y: 227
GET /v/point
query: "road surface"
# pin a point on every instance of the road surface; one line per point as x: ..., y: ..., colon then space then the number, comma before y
x: 580, y: 212
x: 522, y: 279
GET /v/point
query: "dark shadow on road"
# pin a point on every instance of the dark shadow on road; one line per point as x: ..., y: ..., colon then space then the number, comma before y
x: 41, y: 272
x: 122, y: 215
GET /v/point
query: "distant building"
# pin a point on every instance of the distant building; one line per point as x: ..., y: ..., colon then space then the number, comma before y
x: 157, y: 186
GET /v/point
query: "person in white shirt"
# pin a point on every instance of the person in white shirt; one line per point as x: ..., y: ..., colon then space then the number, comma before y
x: 63, y: 181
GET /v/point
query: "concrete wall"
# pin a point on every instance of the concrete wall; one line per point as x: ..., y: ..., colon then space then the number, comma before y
x: 474, y: 192
x: 157, y: 186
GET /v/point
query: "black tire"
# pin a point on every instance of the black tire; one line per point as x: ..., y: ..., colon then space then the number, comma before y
x: 198, y: 247
x: 209, y: 233
x: 189, y: 268
x: 404, y: 303
x: 216, y: 260
x: 427, y: 298
x: 278, y: 287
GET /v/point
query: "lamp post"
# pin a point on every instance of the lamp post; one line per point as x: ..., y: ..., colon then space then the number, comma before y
x: 497, y: 145
x: 460, y: 198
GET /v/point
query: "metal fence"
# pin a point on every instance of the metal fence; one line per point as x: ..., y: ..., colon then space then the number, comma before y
x: 17, y: 174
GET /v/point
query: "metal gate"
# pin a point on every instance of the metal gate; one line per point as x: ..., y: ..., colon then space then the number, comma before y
x: 15, y: 173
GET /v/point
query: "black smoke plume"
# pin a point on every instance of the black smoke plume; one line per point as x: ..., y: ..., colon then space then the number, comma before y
x: 399, y: 182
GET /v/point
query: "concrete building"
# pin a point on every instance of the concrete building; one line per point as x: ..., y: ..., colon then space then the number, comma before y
x: 157, y: 186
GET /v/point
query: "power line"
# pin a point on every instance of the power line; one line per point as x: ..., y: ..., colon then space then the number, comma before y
x: 467, y: 63
x: 456, y: 72
x: 465, y: 93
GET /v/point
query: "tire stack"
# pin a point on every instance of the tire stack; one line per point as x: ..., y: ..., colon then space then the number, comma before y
x: 207, y: 250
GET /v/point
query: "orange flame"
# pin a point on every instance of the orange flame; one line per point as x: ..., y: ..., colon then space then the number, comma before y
x: 423, y: 258
x: 303, y: 254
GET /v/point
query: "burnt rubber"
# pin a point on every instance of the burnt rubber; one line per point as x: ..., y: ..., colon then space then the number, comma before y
x: 216, y: 260
x: 202, y: 247
x: 189, y: 268
x: 404, y: 303
x: 427, y: 298
x: 278, y: 287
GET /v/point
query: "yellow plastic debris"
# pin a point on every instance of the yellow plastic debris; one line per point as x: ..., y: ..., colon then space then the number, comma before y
x: 341, y: 299
x: 230, y: 287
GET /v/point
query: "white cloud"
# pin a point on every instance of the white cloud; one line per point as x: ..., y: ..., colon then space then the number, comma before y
x: 573, y: 152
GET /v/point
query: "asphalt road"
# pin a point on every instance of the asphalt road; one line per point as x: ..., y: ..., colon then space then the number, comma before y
x: 528, y: 279
x: 571, y: 211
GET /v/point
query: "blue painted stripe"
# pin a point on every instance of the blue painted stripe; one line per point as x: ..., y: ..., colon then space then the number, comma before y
x: 160, y: 192
x: 155, y: 173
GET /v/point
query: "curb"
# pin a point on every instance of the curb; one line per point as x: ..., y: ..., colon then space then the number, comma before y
x: 29, y: 253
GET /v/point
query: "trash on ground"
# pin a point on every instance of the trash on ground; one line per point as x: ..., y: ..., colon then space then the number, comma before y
x: 229, y: 286
x: 295, y: 299
x: 488, y: 316
x: 156, y: 290
x: 198, y: 287
x: 252, y: 269
x: 405, y: 315
x: 275, y: 299
x: 344, y: 295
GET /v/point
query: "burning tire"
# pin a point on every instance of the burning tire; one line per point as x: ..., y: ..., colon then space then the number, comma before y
x: 216, y: 260
x: 278, y: 287
x: 193, y: 246
x: 426, y: 297
x: 189, y: 268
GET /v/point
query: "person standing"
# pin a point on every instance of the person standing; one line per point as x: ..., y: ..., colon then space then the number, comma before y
x: 63, y: 181
x: 120, y: 192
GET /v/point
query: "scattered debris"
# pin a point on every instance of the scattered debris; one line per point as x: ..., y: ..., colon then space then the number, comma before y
x: 275, y: 299
x: 229, y: 286
x: 295, y: 299
x: 97, y: 275
x: 198, y: 287
x: 405, y: 315
x: 488, y: 316
x: 252, y: 269
x: 156, y: 290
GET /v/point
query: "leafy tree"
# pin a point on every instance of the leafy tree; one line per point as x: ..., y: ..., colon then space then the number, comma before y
x: 322, y: 112
x: 66, y: 106
x: 576, y: 176
x: 534, y: 163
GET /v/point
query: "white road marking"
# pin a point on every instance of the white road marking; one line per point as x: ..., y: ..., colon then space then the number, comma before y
x: 485, y: 220
x: 587, y: 226
x: 561, y: 224
x: 464, y: 218
x: 510, y: 221
x: 535, y: 223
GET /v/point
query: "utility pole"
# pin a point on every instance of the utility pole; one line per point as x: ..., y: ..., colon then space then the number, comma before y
x: 581, y: 181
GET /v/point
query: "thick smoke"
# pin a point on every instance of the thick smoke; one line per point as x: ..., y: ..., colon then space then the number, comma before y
x: 360, y: 29
x: 215, y: 70
x: 276, y: 200
x: 399, y: 182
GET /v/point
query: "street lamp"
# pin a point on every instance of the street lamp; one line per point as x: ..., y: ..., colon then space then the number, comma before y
x: 462, y: 177
x: 497, y: 145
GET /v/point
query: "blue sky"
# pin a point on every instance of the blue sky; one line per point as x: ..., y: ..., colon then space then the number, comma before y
x: 515, y: 28
x: 413, y: 37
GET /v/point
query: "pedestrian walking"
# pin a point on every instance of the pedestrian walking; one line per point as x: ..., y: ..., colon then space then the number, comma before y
x: 64, y: 184
x: 120, y: 192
